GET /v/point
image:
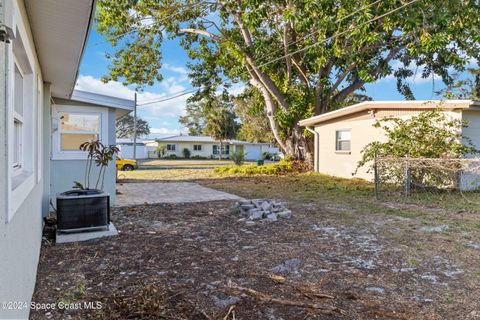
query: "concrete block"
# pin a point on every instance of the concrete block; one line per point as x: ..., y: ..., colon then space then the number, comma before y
x: 86, y: 235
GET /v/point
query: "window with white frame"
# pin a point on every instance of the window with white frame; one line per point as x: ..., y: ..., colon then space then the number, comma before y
x: 170, y: 147
x: 225, y: 149
x: 22, y: 119
x: 17, y: 149
x: 197, y: 147
x: 74, y: 125
x: 77, y: 128
x: 343, y: 140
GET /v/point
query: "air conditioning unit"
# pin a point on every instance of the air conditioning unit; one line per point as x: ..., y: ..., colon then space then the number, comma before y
x: 83, y: 210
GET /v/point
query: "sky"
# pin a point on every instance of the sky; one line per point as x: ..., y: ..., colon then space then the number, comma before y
x: 163, y: 117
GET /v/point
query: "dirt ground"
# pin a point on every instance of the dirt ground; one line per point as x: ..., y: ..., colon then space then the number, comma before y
x: 330, y: 260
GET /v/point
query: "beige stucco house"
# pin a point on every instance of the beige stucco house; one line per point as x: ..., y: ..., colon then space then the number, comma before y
x: 340, y: 135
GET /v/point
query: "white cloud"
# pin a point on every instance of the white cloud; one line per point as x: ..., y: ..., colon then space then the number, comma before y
x: 166, y: 131
x: 175, y: 69
x: 416, y: 78
x: 171, y: 86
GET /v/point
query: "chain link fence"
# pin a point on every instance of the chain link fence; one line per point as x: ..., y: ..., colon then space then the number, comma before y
x: 447, y: 183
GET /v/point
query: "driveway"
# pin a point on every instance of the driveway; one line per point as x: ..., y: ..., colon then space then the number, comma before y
x: 167, y: 192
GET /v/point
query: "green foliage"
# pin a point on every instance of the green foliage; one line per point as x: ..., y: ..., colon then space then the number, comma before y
x: 249, y: 107
x: 284, y: 166
x: 430, y: 134
x: 194, y: 118
x: 161, y: 150
x: 186, y: 153
x: 101, y: 156
x: 465, y: 88
x: 245, y: 41
x: 124, y: 127
x: 172, y: 156
x: 238, y: 157
x: 221, y: 124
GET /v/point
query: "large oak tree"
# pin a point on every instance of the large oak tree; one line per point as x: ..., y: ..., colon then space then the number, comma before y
x: 304, y: 57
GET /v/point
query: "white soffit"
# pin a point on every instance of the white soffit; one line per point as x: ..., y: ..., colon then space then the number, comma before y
x: 60, y: 30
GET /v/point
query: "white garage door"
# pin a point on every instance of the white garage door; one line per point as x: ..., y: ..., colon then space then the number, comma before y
x: 253, y: 152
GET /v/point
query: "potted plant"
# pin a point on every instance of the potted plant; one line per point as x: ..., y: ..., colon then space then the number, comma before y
x: 86, y: 208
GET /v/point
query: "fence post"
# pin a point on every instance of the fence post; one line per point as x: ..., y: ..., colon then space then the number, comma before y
x: 375, y: 172
x: 407, y: 179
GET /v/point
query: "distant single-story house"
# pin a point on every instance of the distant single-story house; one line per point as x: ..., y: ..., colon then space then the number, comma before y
x: 341, y: 135
x: 42, y: 123
x: 126, y: 148
x: 207, y: 147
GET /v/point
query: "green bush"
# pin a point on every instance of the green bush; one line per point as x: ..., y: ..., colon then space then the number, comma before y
x: 172, y: 156
x: 284, y: 166
x: 238, y: 157
x: 186, y: 153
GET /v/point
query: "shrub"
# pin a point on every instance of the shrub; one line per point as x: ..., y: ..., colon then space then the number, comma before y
x: 284, y: 166
x: 238, y: 157
x: 161, y: 150
x: 186, y: 153
x: 172, y: 156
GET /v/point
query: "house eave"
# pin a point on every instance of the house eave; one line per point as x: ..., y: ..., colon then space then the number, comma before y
x: 376, y: 105
x: 60, y: 31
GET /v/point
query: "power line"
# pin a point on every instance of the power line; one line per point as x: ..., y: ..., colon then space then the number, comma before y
x: 337, y: 21
x: 336, y: 35
x: 302, y: 49
x: 168, y: 98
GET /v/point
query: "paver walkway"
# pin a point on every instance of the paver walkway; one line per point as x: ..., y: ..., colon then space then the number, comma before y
x: 167, y: 192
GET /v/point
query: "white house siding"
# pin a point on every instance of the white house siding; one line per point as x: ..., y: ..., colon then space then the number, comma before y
x: 20, y: 233
x: 126, y: 151
x: 65, y: 172
x: 253, y: 151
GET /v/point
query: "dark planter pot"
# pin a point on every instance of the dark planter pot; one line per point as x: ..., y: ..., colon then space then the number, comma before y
x: 83, y: 210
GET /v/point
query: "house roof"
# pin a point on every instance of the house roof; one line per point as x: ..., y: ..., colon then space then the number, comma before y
x: 122, y: 106
x: 60, y: 31
x: 376, y: 105
x: 127, y: 141
x: 205, y: 139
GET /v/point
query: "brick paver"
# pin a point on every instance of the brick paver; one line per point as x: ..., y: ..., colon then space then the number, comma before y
x: 167, y: 192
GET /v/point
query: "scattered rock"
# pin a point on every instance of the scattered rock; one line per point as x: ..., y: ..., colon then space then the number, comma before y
x: 432, y: 229
x: 375, y: 290
x: 272, y: 217
x: 473, y: 245
x: 259, y: 209
x: 289, y: 266
x: 224, y: 302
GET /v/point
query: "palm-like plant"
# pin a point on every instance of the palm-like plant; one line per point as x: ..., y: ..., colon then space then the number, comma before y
x: 221, y: 125
x: 97, y: 154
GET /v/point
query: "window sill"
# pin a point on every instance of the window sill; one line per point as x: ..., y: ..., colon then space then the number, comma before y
x: 22, y: 184
x: 343, y: 152
x: 20, y: 178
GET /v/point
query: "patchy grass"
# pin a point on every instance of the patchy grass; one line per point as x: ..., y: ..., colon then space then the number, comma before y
x: 165, y: 175
x: 182, y: 163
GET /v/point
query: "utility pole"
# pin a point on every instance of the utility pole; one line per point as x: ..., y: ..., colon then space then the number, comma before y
x: 135, y: 129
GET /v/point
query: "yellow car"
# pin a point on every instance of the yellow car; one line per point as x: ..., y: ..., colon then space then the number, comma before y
x: 126, y: 164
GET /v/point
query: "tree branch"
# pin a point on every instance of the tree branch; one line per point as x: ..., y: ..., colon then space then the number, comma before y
x: 201, y: 32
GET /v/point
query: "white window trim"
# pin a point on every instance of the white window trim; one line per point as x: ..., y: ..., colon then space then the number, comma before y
x: 20, y: 181
x: 338, y: 140
x: 197, y: 145
x: 174, y: 147
x: 18, y: 167
x: 57, y: 153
